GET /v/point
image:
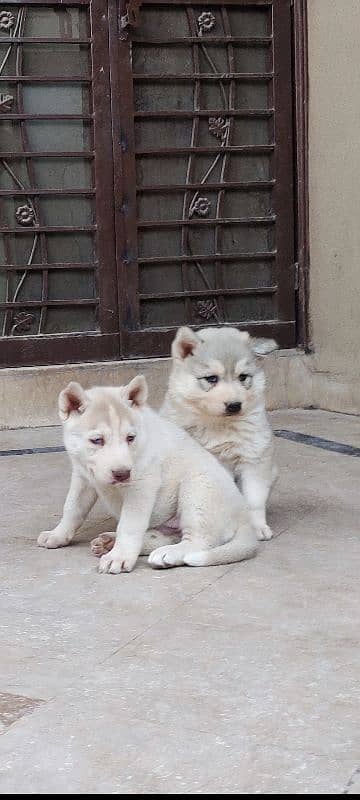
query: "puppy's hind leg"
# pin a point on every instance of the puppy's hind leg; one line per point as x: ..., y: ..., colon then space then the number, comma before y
x: 173, y: 555
x: 153, y: 538
x: 157, y: 538
x: 240, y: 548
x: 102, y: 544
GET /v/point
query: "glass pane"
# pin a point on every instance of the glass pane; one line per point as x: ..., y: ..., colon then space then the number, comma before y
x: 150, y: 133
x: 245, y: 309
x: 250, y: 167
x: 170, y: 25
x: 69, y: 211
x: 155, y: 206
x: 155, y: 171
x: 70, y: 22
x: 70, y: 247
x: 155, y: 60
x: 151, y: 278
x: 62, y: 135
x: 66, y: 284
x: 61, y: 59
x: 162, y: 313
x: 246, y: 239
x: 62, y: 173
x: 69, y: 320
x: 55, y: 99
x: 246, y: 204
x: 241, y: 275
x: 159, y: 243
x: 250, y: 22
x: 151, y: 96
x: 242, y: 132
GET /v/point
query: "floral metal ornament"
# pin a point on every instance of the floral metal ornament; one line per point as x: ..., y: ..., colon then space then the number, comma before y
x: 22, y: 322
x: 7, y: 20
x: 201, y: 206
x: 6, y: 101
x: 206, y: 22
x: 206, y: 309
x: 25, y: 215
x: 218, y: 126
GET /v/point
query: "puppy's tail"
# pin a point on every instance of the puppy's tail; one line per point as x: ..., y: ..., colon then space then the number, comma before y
x: 239, y: 548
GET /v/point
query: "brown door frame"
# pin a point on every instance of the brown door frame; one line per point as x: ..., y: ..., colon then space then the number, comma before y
x: 301, y: 108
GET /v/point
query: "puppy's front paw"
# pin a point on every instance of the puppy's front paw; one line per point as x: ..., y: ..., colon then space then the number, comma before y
x: 264, y: 533
x: 165, y: 557
x: 115, y: 563
x: 102, y: 544
x: 52, y: 539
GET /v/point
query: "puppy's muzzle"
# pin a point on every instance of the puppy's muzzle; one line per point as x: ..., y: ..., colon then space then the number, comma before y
x: 120, y: 476
x: 232, y: 408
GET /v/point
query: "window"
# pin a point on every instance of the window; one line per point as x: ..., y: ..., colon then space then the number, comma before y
x: 146, y: 175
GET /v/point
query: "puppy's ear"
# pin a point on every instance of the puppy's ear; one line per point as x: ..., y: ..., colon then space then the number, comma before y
x: 72, y: 398
x: 261, y: 347
x: 136, y: 392
x: 184, y: 343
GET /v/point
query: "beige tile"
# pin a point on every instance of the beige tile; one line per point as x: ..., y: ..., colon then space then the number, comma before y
x: 237, y: 679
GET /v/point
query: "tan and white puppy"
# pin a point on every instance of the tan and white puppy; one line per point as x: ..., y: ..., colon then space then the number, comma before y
x: 216, y: 393
x: 146, y: 470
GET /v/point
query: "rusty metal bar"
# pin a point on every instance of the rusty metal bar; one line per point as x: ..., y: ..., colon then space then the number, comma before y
x: 183, y: 151
x: 44, y: 79
x: 46, y: 154
x: 45, y: 192
x: 253, y: 256
x: 49, y: 229
x: 229, y: 186
x: 245, y: 77
x: 180, y: 114
x: 244, y: 41
x: 257, y: 290
x: 174, y: 223
x: 39, y: 267
x: 54, y: 117
x: 48, y: 303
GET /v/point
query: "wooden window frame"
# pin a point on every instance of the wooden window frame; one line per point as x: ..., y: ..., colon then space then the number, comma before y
x: 111, y: 342
x: 149, y: 342
x: 301, y: 131
x: 62, y: 348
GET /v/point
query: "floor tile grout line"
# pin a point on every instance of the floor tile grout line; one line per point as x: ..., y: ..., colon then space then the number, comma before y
x: 159, y: 620
x: 318, y: 441
x: 31, y: 451
x: 352, y: 780
x: 281, y: 433
x: 190, y: 598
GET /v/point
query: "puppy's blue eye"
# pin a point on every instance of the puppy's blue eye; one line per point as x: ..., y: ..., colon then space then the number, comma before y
x: 130, y: 438
x: 212, y: 379
x: 99, y: 441
x: 242, y: 377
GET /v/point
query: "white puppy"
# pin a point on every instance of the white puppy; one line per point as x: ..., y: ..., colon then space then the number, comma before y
x: 216, y: 393
x: 146, y: 470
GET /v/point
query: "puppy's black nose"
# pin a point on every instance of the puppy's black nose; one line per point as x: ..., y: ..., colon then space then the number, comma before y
x: 232, y: 408
x: 120, y: 476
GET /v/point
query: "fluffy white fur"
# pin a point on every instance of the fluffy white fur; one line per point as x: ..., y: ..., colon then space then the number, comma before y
x: 243, y: 440
x: 146, y: 470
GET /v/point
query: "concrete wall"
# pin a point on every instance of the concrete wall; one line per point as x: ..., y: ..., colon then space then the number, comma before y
x: 334, y: 75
